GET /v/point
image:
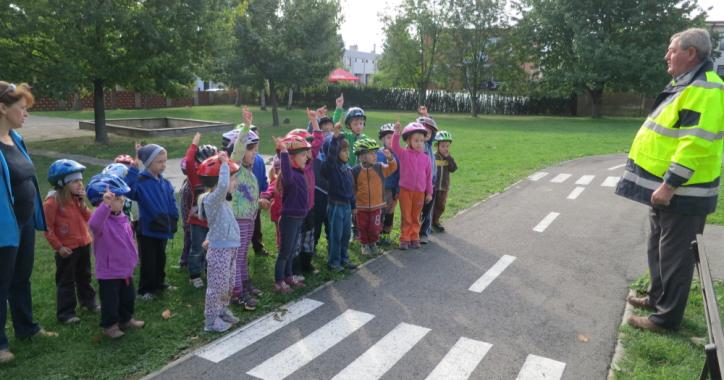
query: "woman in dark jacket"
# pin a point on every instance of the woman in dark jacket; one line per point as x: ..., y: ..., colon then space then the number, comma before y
x: 21, y: 213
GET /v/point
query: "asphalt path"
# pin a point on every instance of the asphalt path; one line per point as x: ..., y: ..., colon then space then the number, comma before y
x: 529, y: 284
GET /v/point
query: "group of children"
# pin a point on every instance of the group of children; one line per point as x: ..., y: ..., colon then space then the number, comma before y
x: 325, y: 176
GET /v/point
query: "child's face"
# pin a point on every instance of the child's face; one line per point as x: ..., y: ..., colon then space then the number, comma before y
x: 356, y: 125
x: 344, y: 155
x: 417, y: 142
x: 159, y: 163
x: 118, y: 203
x: 76, y: 187
x: 249, y: 154
x: 326, y: 127
x: 369, y: 158
x: 430, y: 133
x: 443, y: 147
x: 387, y: 141
x: 300, y: 159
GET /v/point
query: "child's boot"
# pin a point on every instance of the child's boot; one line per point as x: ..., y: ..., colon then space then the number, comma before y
x: 282, y: 287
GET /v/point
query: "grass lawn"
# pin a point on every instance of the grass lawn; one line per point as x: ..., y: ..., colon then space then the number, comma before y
x: 492, y: 152
x: 669, y: 355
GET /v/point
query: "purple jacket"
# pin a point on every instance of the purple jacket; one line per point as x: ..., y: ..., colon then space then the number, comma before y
x: 113, y: 244
x: 295, y: 201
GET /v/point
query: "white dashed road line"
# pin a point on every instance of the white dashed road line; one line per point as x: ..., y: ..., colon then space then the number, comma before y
x: 560, y: 178
x: 546, y: 222
x: 610, y: 181
x: 538, y: 175
x: 616, y: 167
x: 585, y: 179
x: 491, y: 274
x: 576, y: 192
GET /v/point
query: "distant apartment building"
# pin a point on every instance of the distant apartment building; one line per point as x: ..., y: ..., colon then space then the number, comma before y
x: 362, y: 64
x: 718, y: 27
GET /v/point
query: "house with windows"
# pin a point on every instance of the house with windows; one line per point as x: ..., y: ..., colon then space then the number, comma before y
x: 362, y: 64
x: 718, y: 27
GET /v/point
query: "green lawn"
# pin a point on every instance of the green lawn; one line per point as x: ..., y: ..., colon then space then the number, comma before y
x: 492, y: 152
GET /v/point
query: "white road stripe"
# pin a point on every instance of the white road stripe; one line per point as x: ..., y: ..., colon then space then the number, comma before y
x: 610, y: 181
x: 304, y: 351
x: 255, y: 331
x: 536, y: 176
x: 537, y: 368
x: 576, y: 192
x: 378, y: 359
x: 491, y: 274
x: 560, y: 178
x: 546, y: 222
x: 585, y: 179
x: 461, y: 360
x: 616, y: 167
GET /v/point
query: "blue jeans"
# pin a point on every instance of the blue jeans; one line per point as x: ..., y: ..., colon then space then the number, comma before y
x: 289, y: 229
x: 16, y: 266
x: 196, y: 259
x: 339, y: 216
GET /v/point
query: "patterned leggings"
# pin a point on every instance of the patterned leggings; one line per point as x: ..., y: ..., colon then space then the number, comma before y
x: 221, y: 266
x: 246, y: 230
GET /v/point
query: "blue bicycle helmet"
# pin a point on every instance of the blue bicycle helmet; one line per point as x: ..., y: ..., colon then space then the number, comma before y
x: 119, y: 170
x: 99, y: 183
x: 60, y: 169
x: 354, y: 112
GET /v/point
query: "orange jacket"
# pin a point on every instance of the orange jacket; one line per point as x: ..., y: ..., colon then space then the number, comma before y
x: 369, y: 184
x: 67, y: 224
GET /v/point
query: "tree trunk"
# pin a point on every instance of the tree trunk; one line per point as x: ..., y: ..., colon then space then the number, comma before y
x: 291, y: 96
x: 473, y: 102
x: 274, y: 103
x: 237, y: 100
x: 596, y: 102
x: 99, y: 112
x: 262, y: 95
x: 421, y: 90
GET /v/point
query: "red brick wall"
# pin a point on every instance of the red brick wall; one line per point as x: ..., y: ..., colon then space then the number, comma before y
x: 127, y: 100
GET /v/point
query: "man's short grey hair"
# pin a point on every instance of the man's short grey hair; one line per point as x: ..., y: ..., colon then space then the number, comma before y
x: 697, y: 38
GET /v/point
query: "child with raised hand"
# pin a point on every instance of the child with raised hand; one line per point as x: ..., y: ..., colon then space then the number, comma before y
x: 158, y: 216
x: 222, y: 240
x: 369, y: 176
x: 293, y: 152
x: 321, y: 187
x: 354, y: 120
x: 66, y: 216
x: 115, y: 253
x: 245, y: 204
x: 196, y: 226
x: 341, y: 201
x: 392, y: 183
x: 444, y: 165
x: 415, y: 180
x: 130, y: 208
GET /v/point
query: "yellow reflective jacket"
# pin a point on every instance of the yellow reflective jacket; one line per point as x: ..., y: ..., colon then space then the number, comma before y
x: 680, y: 143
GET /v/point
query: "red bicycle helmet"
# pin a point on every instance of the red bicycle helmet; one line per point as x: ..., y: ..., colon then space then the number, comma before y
x: 211, y: 166
x: 301, y: 133
x: 296, y: 144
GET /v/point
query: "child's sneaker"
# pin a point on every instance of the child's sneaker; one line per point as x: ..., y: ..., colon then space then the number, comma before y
x: 132, y: 324
x: 146, y: 296
x: 415, y: 244
x: 218, y: 325
x: 373, y: 249
x: 71, y: 320
x: 282, y: 288
x: 438, y: 227
x: 384, y: 240
x: 404, y: 245
x: 349, y: 265
x: 293, y: 282
x: 197, y: 282
x: 365, y: 251
x: 424, y: 239
x: 298, y: 277
x: 113, y: 332
x: 336, y: 268
x: 228, y: 317
x: 6, y: 356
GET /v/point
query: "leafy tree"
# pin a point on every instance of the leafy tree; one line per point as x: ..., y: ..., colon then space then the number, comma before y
x: 590, y: 45
x: 65, y: 46
x: 288, y: 43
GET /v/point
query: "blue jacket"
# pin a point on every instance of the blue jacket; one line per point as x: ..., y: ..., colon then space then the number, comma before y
x: 391, y: 181
x: 156, y: 203
x: 10, y: 236
x: 338, y: 175
x: 431, y: 154
x: 259, y: 170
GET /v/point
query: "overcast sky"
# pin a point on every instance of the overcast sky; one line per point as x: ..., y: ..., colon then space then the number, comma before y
x: 362, y: 24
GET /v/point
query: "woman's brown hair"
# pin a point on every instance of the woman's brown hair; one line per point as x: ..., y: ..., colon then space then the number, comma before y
x: 12, y: 93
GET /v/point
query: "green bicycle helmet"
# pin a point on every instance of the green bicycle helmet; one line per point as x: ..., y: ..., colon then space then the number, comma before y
x: 443, y: 136
x: 365, y: 145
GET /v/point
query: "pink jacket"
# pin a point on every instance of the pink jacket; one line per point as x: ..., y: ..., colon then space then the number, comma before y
x: 113, y: 244
x: 415, y: 168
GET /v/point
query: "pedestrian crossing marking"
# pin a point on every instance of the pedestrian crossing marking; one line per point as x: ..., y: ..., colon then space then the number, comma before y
x: 585, y: 179
x: 536, y: 176
x: 491, y: 274
x: 378, y: 359
x: 576, y: 192
x: 461, y: 360
x: 540, y: 227
x: 307, y: 349
x: 538, y: 367
x: 560, y: 178
x: 610, y: 181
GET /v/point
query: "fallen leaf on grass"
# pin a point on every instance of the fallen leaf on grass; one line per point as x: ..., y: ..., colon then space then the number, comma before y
x: 96, y: 339
x: 166, y: 314
x: 582, y: 338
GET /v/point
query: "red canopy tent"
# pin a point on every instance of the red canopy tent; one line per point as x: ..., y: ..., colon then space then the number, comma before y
x: 339, y: 75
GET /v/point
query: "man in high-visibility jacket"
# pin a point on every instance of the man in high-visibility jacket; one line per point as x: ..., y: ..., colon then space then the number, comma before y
x: 674, y: 167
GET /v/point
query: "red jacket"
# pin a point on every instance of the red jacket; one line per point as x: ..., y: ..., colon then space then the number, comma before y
x: 195, y: 184
x: 67, y: 224
x: 275, y: 195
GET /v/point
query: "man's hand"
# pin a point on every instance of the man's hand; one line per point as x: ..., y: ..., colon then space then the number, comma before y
x: 65, y: 252
x: 248, y: 116
x: 422, y: 110
x: 197, y: 138
x: 662, y: 196
x: 339, y: 102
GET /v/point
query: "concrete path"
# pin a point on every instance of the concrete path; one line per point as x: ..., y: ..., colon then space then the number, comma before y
x: 529, y: 284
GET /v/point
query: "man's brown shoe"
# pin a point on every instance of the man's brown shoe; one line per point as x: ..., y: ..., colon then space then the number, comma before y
x: 644, y: 323
x: 640, y: 302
